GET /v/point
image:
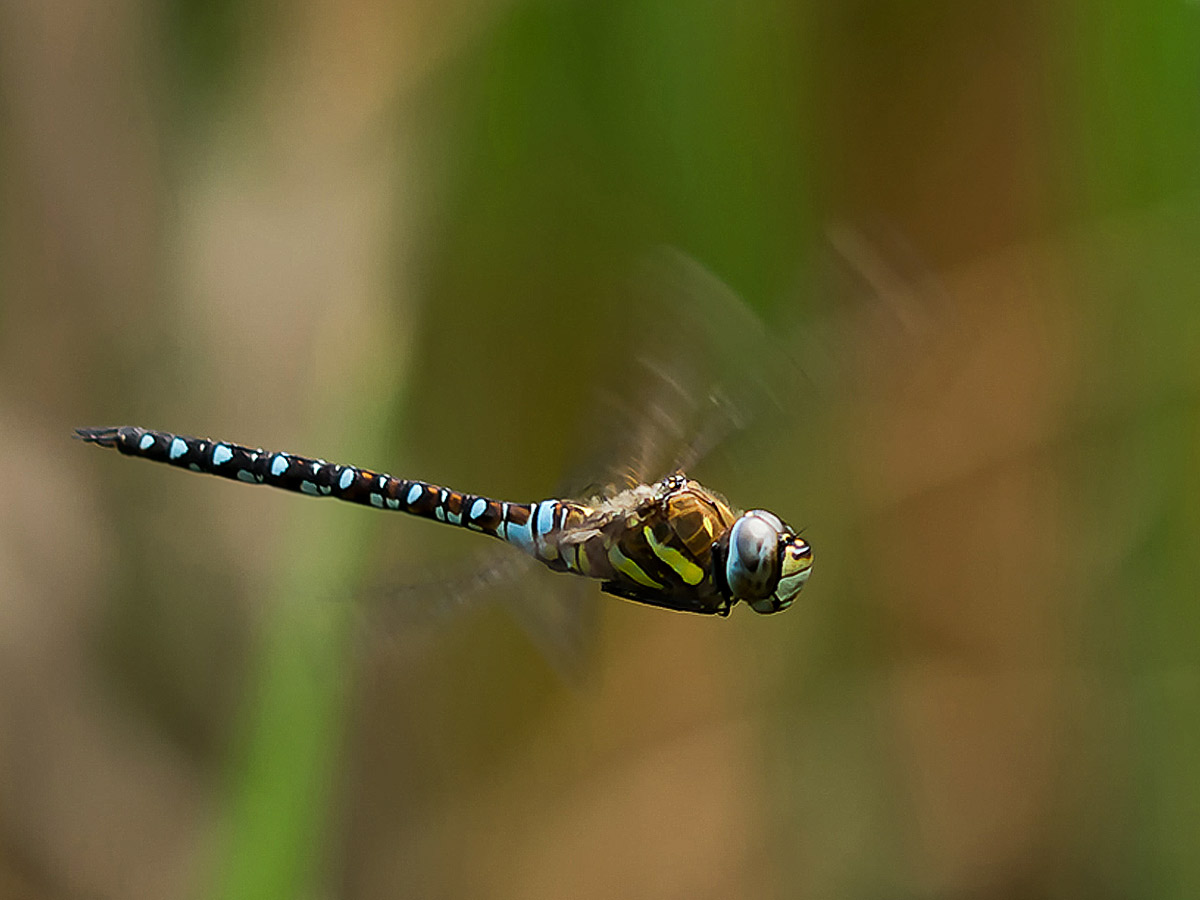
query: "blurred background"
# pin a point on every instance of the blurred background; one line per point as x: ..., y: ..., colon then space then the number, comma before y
x: 403, y: 235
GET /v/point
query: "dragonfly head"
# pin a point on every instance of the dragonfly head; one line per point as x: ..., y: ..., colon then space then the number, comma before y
x: 760, y: 561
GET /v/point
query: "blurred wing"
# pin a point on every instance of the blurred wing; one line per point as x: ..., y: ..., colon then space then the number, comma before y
x: 558, y: 612
x: 719, y: 367
x: 692, y: 363
x: 689, y: 364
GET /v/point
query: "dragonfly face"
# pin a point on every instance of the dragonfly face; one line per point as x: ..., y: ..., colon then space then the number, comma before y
x: 761, y: 562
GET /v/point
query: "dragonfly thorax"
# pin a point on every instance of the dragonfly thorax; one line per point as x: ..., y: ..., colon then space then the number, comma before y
x: 678, y: 545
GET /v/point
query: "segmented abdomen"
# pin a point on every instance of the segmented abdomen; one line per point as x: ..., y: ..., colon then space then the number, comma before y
x: 523, y: 524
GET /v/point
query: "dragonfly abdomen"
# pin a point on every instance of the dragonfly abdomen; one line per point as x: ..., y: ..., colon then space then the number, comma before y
x: 514, y: 522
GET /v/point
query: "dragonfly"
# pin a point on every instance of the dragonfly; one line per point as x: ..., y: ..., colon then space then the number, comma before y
x: 672, y: 544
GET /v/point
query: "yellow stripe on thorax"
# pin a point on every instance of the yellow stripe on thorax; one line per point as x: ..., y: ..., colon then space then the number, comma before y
x: 688, y: 570
x: 628, y: 567
x: 582, y: 564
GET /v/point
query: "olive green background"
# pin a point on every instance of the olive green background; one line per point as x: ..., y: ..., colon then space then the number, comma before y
x: 404, y: 236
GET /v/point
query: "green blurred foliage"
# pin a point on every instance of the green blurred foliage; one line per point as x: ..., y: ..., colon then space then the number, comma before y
x: 980, y: 218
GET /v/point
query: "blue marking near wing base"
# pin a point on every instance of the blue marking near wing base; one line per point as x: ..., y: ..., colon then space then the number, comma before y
x: 146, y: 442
x: 522, y: 535
x: 545, y: 518
x: 544, y: 524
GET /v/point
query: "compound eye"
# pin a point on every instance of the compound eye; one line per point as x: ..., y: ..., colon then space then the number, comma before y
x: 795, y: 566
x: 752, y: 566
